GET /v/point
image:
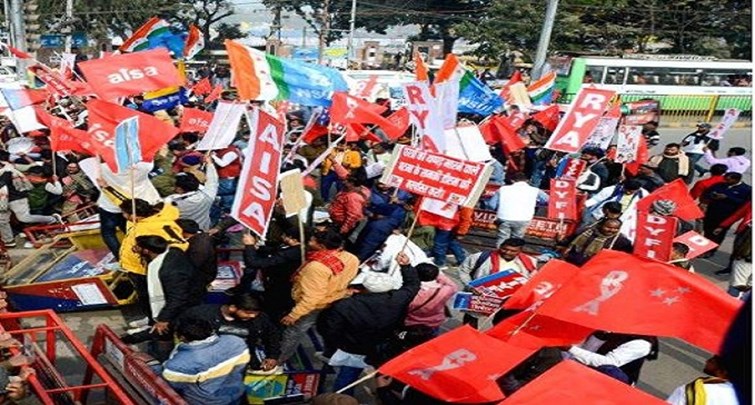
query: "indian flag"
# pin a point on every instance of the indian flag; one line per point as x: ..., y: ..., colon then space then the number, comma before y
x: 139, y: 40
x: 541, y: 90
x: 261, y: 76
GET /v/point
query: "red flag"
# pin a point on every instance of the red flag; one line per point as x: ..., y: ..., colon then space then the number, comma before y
x: 202, y: 87
x: 505, y: 91
x: 132, y: 73
x: 367, y: 86
x: 654, y: 236
x: 698, y: 244
x: 63, y: 136
x: 20, y: 98
x: 400, y: 121
x: 542, y: 285
x: 195, y: 120
x: 214, y: 94
x: 347, y: 109
x: 56, y: 84
x: 642, y: 156
x: 548, y: 117
x: 580, y: 120
x: 626, y: 294
x: 18, y: 53
x: 507, y: 135
x: 459, y: 366
x: 420, y: 68
x: 530, y: 330
x: 557, y: 385
x: 562, y: 201
x: 676, y: 191
x: 104, y: 117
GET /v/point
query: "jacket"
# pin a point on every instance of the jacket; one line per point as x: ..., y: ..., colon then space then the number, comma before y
x: 277, y: 267
x: 181, y: 286
x: 359, y: 323
x: 162, y: 224
x: 210, y: 371
x: 429, y: 305
x: 347, y: 209
x: 201, y: 252
x: 316, y: 287
x: 668, y: 175
x: 470, y: 269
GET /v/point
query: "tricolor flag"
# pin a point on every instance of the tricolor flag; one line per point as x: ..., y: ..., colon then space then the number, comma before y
x: 20, y: 98
x: 194, y: 42
x: 541, y: 90
x: 140, y: 40
x: 261, y: 76
x: 474, y: 96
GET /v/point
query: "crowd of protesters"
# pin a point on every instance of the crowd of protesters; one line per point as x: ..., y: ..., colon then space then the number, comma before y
x: 164, y: 228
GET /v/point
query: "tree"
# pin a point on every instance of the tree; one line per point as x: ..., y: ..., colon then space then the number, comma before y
x: 225, y: 31
x: 204, y: 14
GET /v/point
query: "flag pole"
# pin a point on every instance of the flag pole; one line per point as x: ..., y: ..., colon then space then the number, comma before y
x: 411, y: 229
x: 302, y: 239
x: 357, y: 382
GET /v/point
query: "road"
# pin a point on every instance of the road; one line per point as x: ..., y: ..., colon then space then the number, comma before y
x: 677, y: 364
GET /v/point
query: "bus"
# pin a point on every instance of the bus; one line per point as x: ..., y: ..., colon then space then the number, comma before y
x: 677, y: 82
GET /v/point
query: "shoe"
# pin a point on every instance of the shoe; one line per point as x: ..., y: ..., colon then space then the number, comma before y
x: 10, y: 244
x: 58, y: 218
x: 139, y: 323
x: 138, y: 337
x: 28, y: 245
x: 138, y: 329
x: 723, y: 271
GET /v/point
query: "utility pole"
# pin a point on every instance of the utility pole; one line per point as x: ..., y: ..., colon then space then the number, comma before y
x: 69, y: 21
x: 8, y: 25
x: 19, y: 34
x: 352, y: 25
x: 324, y: 31
x: 545, y: 39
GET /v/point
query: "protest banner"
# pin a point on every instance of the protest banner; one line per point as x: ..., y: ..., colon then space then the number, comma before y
x: 501, y: 284
x: 627, y: 144
x: 479, y: 304
x: 697, y: 244
x: 580, y: 120
x: 56, y: 84
x: 603, y: 134
x: 729, y: 118
x: 195, y: 120
x: 258, y: 183
x: 547, y: 229
x: 562, y: 201
x: 654, y: 237
x: 222, y: 129
x: 129, y: 74
x: 484, y: 219
x: 437, y: 176
x: 641, y: 112
x: 570, y: 168
x: 425, y: 116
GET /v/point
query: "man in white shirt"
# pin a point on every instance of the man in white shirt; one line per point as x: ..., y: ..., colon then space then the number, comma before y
x: 516, y: 207
x: 616, y: 350
x: 194, y: 200
x: 735, y: 159
x: 715, y: 389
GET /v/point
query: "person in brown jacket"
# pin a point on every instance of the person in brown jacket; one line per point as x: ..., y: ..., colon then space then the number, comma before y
x: 322, y: 279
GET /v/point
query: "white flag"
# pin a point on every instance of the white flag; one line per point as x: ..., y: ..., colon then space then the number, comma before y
x: 223, y: 126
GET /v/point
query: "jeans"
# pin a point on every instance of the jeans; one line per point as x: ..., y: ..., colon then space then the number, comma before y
x: 445, y: 241
x: 109, y: 225
x: 511, y: 229
x: 226, y: 192
x: 694, y: 166
x: 293, y: 335
x: 346, y: 375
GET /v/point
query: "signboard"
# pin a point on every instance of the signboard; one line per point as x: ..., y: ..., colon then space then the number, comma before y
x: 437, y: 176
x: 627, y: 144
x: 729, y: 118
x: 654, y: 237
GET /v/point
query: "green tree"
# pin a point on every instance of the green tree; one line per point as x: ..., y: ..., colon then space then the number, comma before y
x: 225, y: 31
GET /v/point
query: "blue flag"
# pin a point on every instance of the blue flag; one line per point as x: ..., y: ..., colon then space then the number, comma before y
x: 128, y: 150
x: 475, y: 97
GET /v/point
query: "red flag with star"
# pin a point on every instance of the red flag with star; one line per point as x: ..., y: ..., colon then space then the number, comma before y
x: 542, y: 285
x: 530, y: 330
x: 459, y: 366
x: 626, y: 294
x: 676, y: 191
x: 202, y: 87
x: 557, y: 385
x: 548, y: 117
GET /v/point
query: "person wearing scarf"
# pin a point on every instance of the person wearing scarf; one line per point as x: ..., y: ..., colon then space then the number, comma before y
x: 715, y: 389
x: 593, y: 240
x: 322, y: 279
x: 672, y: 164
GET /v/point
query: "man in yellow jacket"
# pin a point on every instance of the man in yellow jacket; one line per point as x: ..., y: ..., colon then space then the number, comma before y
x: 322, y: 279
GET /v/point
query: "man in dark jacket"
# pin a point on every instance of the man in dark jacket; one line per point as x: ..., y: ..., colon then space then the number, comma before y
x: 360, y: 323
x: 723, y: 199
x: 201, y: 251
x: 243, y: 317
x: 173, y: 284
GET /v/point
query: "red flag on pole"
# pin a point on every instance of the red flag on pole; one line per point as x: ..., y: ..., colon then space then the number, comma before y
x: 103, y: 119
x: 202, y: 87
x: 542, y: 285
x: 557, y: 385
x: 420, y: 68
x: 676, y: 191
x: 214, y: 94
x: 18, y: 53
x: 548, y: 117
x: 624, y: 293
x: 642, y: 156
x: 63, y: 136
x: 508, y: 137
x: 697, y: 244
x: 654, y: 237
x: 195, y: 120
x: 459, y: 366
x: 400, y: 121
x: 562, y: 201
x: 531, y: 330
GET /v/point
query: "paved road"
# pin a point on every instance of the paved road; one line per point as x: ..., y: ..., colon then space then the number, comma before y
x: 678, y: 363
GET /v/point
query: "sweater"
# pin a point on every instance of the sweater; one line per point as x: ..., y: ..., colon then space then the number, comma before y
x: 429, y: 305
x: 316, y: 287
x: 161, y: 224
x: 348, y: 208
x: 209, y: 371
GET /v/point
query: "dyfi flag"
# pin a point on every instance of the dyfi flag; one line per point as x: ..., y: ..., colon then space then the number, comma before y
x: 459, y: 366
x: 557, y: 385
x: 128, y: 151
x: 194, y: 42
x: 623, y: 293
x: 104, y: 117
x: 474, y: 96
x: 195, y: 120
x: 260, y: 76
x: 202, y: 87
x: 676, y: 191
x: 420, y: 68
x: 20, y: 98
x: 530, y: 330
x: 549, y: 117
x: 129, y: 74
x: 541, y: 91
x: 140, y: 40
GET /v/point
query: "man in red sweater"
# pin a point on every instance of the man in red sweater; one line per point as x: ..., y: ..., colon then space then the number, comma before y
x: 716, y: 176
x: 347, y: 209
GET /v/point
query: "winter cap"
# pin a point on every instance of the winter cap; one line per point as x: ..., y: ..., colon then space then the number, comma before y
x: 378, y: 282
x: 664, y: 207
